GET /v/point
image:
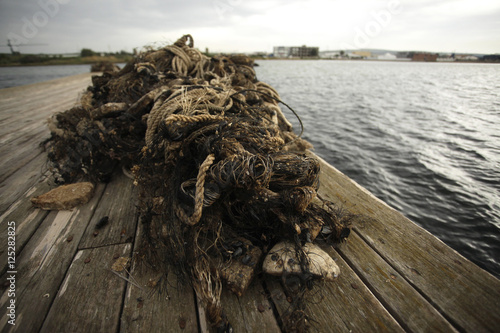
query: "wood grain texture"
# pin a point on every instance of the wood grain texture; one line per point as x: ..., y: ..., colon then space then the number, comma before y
x: 411, y: 309
x: 344, y: 305
x: 118, y: 203
x: 12, y: 188
x: 21, y: 151
x: 43, y: 263
x: 252, y: 312
x: 90, y: 297
x: 27, y: 220
x: 150, y: 309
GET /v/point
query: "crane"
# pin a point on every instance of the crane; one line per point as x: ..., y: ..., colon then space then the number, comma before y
x: 9, y: 44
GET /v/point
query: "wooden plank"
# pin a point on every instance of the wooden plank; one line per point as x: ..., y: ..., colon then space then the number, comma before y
x: 26, y: 117
x: 22, y: 135
x: 252, y: 312
x: 282, y: 303
x: 15, y: 96
x: 359, y: 309
x: 21, y: 151
x: 150, y: 310
x: 91, y: 296
x: 344, y: 305
x: 411, y: 310
x: 20, y: 121
x: 26, y: 218
x: 49, y: 90
x: 466, y: 295
x: 16, y: 130
x: 21, y: 180
x: 43, y: 263
x: 22, y: 109
x: 118, y: 203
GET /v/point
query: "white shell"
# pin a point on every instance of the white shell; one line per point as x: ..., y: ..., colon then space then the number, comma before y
x: 282, y: 258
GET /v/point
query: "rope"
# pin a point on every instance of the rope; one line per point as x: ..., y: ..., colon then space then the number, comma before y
x: 279, y: 101
x: 199, y: 196
x: 201, y: 99
x: 190, y: 119
x: 187, y: 60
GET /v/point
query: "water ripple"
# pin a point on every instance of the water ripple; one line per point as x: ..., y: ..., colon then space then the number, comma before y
x: 422, y: 137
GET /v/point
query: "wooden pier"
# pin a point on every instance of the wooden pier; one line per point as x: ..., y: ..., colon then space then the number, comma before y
x: 395, y: 276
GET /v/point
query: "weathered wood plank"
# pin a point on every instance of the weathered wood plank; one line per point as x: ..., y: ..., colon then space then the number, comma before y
x: 15, y: 96
x: 20, y: 152
x: 283, y: 305
x: 91, y: 296
x: 21, y: 180
x: 344, y: 305
x: 251, y: 312
x: 411, y: 310
x: 24, y: 134
x: 24, y: 118
x: 466, y: 295
x: 43, y: 263
x: 118, y: 203
x: 25, y: 109
x: 179, y: 308
x: 24, y: 122
x: 150, y: 310
x: 24, y: 128
x: 26, y: 218
x: 143, y: 307
x: 18, y: 131
x: 359, y: 309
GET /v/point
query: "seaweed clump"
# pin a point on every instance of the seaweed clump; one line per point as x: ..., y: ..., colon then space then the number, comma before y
x: 217, y: 163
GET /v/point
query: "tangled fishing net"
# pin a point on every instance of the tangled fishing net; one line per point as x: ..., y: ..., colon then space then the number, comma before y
x: 219, y: 168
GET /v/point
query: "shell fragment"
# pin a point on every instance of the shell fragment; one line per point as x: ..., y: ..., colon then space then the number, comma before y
x: 283, y: 259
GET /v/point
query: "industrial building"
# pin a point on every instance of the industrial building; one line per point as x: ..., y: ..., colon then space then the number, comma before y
x: 295, y: 51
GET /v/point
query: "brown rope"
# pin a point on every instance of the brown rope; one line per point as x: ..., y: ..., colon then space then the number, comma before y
x: 191, y: 119
x: 199, y: 196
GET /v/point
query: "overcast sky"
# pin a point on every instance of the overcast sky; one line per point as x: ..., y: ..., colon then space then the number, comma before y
x: 67, y: 26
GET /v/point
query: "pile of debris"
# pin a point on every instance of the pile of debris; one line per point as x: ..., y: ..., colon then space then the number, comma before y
x: 104, y: 66
x: 223, y: 178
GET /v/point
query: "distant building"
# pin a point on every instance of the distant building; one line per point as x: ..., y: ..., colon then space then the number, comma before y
x: 354, y: 55
x: 281, y: 51
x: 387, y: 56
x: 417, y: 56
x: 466, y: 57
x: 403, y: 55
x: 295, y: 51
x: 363, y: 54
x: 330, y: 54
x: 445, y: 58
x: 492, y: 58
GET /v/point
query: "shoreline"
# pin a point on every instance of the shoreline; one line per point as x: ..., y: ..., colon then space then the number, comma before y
x: 41, y: 61
x: 118, y: 61
x: 387, y: 60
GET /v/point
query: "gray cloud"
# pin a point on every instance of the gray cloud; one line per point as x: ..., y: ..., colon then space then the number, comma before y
x: 237, y: 25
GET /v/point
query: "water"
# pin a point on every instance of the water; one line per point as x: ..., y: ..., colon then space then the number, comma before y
x: 423, y: 137
x: 21, y: 75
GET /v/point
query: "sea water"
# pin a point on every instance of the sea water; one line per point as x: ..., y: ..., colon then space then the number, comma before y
x: 423, y: 137
x: 21, y: 75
